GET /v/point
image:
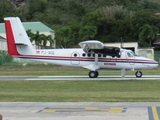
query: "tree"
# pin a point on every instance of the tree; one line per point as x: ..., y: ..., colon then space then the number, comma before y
x: 112, y: 19
x: 50, y: 39
x: 88, y: 32
x: 30, y: 35
x: 115, y: 13
x: 148, y: 32
x: 40, y: 39
x: 7, y: 9
x: 36, y: 6
x: 37, y: 38
x: 64, y: 35
x: 116, y: 22
x: 45, y: 39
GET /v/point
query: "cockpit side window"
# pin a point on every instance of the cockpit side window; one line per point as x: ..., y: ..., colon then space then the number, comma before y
x: 134, y: 53
x: 130, y: 54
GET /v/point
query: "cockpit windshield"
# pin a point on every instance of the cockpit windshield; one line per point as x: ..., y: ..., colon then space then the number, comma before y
x: 133, y: 53
x: 130, y: 53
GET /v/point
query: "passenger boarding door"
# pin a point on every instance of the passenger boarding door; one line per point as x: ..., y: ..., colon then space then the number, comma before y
x: 75, y: 58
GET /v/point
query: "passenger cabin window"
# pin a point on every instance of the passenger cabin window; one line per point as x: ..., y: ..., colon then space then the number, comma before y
x: 91, y: 55
x: 83, y: 54
x: 75, y: 55
x: 104, y: 55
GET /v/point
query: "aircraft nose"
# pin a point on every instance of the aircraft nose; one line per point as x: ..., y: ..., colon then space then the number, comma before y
x: 151, y: 64
x: 155, y: 64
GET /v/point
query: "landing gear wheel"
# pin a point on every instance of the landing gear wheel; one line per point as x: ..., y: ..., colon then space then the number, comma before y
x: 138, y: 74
x: 97, y: 74
x: 93, y: 74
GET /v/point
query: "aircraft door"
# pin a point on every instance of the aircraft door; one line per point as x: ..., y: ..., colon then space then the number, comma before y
x: 75, y: 58
x: 130, y: 57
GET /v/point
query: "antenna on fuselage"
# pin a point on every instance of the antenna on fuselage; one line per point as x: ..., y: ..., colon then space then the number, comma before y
x: 62, y: 47
x: 122, y: 40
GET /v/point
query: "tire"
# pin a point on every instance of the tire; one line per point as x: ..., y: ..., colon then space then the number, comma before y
x: 97, y: 74
x: 93, y: 74
x: 138, y: 74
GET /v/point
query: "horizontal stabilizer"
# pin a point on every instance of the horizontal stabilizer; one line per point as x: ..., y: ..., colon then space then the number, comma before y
x: 20, y: 44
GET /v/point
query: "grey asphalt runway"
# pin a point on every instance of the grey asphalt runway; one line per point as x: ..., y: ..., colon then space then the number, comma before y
x: 108, y: 77
x: 80, y: 110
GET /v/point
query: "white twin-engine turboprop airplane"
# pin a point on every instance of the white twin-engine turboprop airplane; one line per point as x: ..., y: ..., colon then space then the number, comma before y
x: 92, y: 55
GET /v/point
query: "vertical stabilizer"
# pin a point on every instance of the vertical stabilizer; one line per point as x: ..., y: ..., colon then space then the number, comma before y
x: 18, y: 42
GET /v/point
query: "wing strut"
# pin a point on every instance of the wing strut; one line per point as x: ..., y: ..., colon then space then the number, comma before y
x: 96, y: 59
x: 123, y: 73
x: 94, y: 66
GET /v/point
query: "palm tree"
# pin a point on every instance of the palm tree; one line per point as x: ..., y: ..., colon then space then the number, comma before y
x: 50, y: 39
x: 30, y: 34
x: 45, y: 39
x: 40, y: 39
x: 35, y: 37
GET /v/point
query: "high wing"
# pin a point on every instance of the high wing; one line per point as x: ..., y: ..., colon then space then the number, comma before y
x: 97, y: 47
x: 91, y: 44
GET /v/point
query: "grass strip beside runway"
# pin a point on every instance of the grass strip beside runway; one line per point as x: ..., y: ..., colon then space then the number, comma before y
x: 79, y: 91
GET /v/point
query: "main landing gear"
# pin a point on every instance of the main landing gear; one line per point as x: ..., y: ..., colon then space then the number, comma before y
x: 138, y: 74
x: 93, y: 74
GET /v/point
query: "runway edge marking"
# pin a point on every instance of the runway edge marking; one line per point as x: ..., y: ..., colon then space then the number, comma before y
x: 153, y: 113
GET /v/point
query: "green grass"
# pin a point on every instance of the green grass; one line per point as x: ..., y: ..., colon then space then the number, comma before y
x: 63, y: 70
x: 79, y: 91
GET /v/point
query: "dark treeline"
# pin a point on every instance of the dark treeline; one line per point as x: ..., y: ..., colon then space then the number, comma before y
x: 77, y: 20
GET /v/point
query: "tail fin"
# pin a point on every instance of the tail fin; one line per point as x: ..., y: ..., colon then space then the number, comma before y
x: 18, y: 42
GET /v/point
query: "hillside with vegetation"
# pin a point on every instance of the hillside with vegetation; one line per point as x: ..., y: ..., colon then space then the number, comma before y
x: 77, y: 20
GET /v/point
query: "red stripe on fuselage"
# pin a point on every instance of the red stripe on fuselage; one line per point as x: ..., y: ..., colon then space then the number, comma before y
x: 12, y: 50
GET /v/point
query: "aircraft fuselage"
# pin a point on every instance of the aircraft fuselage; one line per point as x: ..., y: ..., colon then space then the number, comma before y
x: 78, y: 58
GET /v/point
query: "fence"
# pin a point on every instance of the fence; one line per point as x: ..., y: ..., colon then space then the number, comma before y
x: 157, y: 56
